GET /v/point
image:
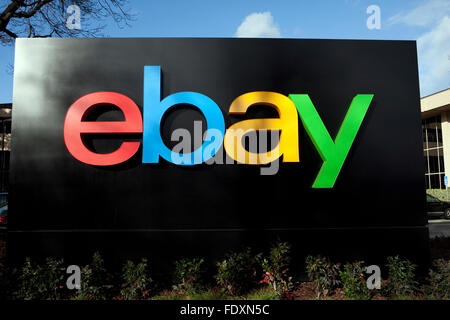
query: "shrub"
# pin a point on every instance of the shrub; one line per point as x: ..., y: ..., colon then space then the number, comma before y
x: 265, y: 293
x: 7, y: 277
x: 188, y: 274
x: 439, y: 280
x: 93, y: 280
x: 237, y: 272
x: 400, y: 281
x: 441, y: 194
x: 353, y: 281
x: 276, y: 267
x: 323, y: 273
x: 137, y: 280
x: 2, y: 269
x: 55, y: 276
x: 30, y: 286
x: 41, y: 283
x: 2, y: 251
x: 210, y: 294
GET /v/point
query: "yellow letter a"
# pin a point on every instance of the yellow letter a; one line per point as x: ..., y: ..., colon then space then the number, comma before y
x: 287, y: 123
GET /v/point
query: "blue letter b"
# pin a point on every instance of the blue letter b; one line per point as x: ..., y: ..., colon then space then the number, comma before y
x: 154, y: 110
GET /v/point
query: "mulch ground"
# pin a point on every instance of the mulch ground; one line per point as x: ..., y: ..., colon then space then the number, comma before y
x: 440, y: 248
x: 306, y: 291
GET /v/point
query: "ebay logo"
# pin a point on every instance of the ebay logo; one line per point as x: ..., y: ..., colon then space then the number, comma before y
x: 290, y: 108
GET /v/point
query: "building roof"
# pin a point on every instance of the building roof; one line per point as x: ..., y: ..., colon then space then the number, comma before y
x: 435, y: 103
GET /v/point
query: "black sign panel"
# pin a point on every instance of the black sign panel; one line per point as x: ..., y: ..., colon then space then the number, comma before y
x: 61, y: 206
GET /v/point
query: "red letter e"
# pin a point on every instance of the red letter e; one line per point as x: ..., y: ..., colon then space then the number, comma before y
x: 75, y: 125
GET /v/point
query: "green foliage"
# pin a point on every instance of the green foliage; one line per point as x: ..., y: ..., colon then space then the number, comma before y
x: 188, y: 274
x: 30, y: 283
x: 55, y: 276
x: 211, y: 294
x: 404, y: 297
x: 323, y: 273
x: 204, y: 294
x: 237, y: 272
x: 41, y: 283
x: 3, y: 277
x: 93, y: 280
x: 237, y: 278
x: 2, y: 252
x: 137, y: 280
x: 353, y: 281
x: 439, y: 280
x: 276, y: 267
x: 7, y: 276
x: 169, y: 295
x: 441, y: 194
x: 400, y: 281
x: 263, y: 294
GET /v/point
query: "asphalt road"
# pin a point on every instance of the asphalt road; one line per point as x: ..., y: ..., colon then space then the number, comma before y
x: 439, y: 227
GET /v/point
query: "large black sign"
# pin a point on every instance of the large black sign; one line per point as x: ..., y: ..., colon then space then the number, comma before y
x: 60, y: 206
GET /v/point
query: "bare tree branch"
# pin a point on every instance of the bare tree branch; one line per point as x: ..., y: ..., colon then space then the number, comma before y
x: 32, y: 12
x: 48, y: 18
x: 10, y: 33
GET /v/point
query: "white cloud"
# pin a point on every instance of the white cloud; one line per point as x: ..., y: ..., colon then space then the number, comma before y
x: 433, y: 47
x: 427, y: 13
x: 258, y: 24
x: 433, y: 54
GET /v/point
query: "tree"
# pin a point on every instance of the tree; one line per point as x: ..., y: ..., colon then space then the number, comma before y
x: 52, y: 18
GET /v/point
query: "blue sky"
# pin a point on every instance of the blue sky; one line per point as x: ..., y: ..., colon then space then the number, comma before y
x: 427, y: 21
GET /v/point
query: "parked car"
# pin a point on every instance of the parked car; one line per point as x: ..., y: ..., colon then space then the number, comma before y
x: 437, y: 208
x: 3, y: 209
x: 3, y: 216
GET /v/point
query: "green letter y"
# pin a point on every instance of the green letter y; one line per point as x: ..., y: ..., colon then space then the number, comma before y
x: 332, y: 153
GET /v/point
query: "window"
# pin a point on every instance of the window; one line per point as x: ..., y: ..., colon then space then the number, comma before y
x: 433, y: 153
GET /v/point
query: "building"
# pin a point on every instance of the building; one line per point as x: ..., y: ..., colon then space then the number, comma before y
x: 5, y: 145
x: 435, y: 110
